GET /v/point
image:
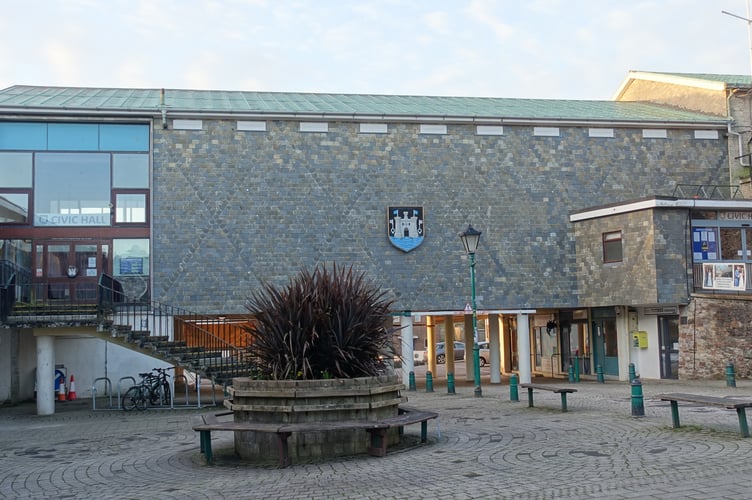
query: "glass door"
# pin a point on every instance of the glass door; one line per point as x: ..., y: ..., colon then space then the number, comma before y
x: 69, y: 271
x: 668, y: 333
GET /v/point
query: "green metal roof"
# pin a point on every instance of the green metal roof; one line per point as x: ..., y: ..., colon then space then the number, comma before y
x: 149, y: 102
x: 729, y: 80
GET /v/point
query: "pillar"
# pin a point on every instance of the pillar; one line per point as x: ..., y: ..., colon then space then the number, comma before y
x: 431, y: 345
x: 408, y: 360
x: 494, y: 347
x: 45, y: 375
x: 523, y: 348
x: 469, y: 340
x: 449, y: 344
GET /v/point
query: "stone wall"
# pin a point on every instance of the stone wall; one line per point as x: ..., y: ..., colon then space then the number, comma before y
x: 715, y: 330
x: 653, y: 269
x: 232, y: 209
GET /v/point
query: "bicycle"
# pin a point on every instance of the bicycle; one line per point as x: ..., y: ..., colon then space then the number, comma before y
x: 153, y: 389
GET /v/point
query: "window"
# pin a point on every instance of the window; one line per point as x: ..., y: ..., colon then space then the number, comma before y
x: 14, y: 208
x: 612, y: 248
x: 130, y: 208
x: 72, y: 189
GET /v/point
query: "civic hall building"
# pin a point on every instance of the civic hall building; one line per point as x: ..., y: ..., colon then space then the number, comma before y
x: 613, y: 232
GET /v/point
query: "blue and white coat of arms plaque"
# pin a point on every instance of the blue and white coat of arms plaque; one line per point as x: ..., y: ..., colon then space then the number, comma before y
x: 405, y: 226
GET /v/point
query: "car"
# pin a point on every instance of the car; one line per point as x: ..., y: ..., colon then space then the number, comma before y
x: 459, y: 352
x: 484, y: 353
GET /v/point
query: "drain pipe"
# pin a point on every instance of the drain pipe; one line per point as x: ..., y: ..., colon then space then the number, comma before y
x: 164, y: 110
x: 731, y: 132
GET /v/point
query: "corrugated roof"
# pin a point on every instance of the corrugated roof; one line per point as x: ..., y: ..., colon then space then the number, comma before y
x: 148, y: 102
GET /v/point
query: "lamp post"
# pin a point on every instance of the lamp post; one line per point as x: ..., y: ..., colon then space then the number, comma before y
x: 470, y: 239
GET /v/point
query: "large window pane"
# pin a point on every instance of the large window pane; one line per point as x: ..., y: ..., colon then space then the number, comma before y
x: 731, y: 244
x: 72, y: 189
x: 15, y: 170
x: 130, y: 171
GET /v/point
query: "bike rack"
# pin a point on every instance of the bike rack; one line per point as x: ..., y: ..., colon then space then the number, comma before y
x: 120, y: 393
x: 107, y: 389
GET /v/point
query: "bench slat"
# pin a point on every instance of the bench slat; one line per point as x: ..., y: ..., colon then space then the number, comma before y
x: 706, y: 400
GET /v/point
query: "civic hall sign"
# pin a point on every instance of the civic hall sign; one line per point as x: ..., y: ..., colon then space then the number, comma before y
x: 72, y: 220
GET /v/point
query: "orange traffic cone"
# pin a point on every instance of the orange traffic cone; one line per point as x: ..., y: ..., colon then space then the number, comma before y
x: 61, y: 391
x: 72, y: 389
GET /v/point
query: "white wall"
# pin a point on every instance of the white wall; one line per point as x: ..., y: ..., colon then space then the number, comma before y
x: 646, y: 361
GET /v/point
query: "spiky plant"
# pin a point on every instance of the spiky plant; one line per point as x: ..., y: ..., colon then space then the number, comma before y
x: 329, y: 323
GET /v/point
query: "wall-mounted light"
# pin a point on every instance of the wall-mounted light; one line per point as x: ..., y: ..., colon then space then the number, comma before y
x: 551, y: 327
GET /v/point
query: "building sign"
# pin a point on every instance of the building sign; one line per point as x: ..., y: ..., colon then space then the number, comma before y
x: 724, y: 276
x: 72, y: 220
x: 405, y: 227
x: 722, y: 215
x: 704, y: 243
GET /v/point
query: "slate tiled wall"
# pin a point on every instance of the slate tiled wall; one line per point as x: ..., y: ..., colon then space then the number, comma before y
x: 232, y: 209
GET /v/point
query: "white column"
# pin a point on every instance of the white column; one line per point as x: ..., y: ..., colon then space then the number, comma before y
x: 45, y: 375
x: 523, y: 348
x: 494, y: 345
x: 408, y: 361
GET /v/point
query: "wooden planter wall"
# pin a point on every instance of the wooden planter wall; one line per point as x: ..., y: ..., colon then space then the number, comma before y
x: 298, y: 401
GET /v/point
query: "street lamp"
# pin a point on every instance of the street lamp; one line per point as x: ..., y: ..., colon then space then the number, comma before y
x: 470, y: 239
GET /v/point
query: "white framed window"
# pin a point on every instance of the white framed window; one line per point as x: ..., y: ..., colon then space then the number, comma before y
x: 706, y: 134
x: 601, y: 132
x: 431, y: 128
x: 373, y: 128
x: 314, y: 127
x: 654, y: 133
x: 187, y: 124
x: 251, y: 126
x: 546, y: 131
x: 489, y: 130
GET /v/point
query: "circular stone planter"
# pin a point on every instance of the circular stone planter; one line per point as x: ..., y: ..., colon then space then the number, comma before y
x: 307, y: 401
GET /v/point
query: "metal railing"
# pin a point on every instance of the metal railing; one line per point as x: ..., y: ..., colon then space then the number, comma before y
x: 212, y: 345
x: 707, y: 192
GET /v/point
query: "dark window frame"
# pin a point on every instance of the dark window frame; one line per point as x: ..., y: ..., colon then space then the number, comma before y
x: 613, y: 248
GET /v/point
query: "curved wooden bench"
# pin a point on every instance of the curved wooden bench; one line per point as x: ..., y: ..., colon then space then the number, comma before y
x: 376, y: 429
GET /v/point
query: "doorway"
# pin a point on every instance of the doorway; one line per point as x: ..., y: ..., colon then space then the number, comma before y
x: 605, y: 347
x: 69, y: 270
x: 668, y: 335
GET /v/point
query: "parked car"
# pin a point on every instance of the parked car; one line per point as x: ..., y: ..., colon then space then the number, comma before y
x: 484, y: 352
x: 459, y: 352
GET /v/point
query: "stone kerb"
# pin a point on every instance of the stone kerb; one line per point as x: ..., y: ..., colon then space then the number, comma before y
x: 312, y: 401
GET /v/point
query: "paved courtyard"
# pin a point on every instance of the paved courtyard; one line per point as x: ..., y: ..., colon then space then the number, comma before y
x: 487, y: 447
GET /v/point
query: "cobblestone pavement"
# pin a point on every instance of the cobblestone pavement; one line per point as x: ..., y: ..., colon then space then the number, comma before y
x: 487, y: 447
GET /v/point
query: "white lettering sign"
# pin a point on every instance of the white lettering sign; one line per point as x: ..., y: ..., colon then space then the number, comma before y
x: 72, y: 220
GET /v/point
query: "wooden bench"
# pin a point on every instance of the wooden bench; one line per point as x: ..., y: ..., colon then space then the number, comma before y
x: 552, y: 388
x: 376, y: 429
x: 728, y: 403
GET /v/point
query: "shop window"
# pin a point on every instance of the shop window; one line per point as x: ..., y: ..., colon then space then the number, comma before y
x: 612, y: 247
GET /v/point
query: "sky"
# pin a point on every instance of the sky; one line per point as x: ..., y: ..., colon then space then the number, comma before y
x: 559, y: 49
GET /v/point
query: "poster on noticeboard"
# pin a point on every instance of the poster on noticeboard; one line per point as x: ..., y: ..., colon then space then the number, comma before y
x: 726, y: 276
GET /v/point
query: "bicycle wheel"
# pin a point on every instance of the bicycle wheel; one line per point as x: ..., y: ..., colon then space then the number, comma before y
x: 166, y: 399
x: 132, y: 398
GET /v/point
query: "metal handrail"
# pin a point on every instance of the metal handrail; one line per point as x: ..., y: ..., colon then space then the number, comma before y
x: 207, y: 344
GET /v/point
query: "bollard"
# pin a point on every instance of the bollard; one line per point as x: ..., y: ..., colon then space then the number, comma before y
x: 514, y: 395
x: 599, y: 373
x: 570, y: 373
x: 411, y: 378
x: 450, y: 383
x: 429, y: 382
x: 638, y: 406
x: 632, y: 372
x: 576, y: 369
x: 730, y: 375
